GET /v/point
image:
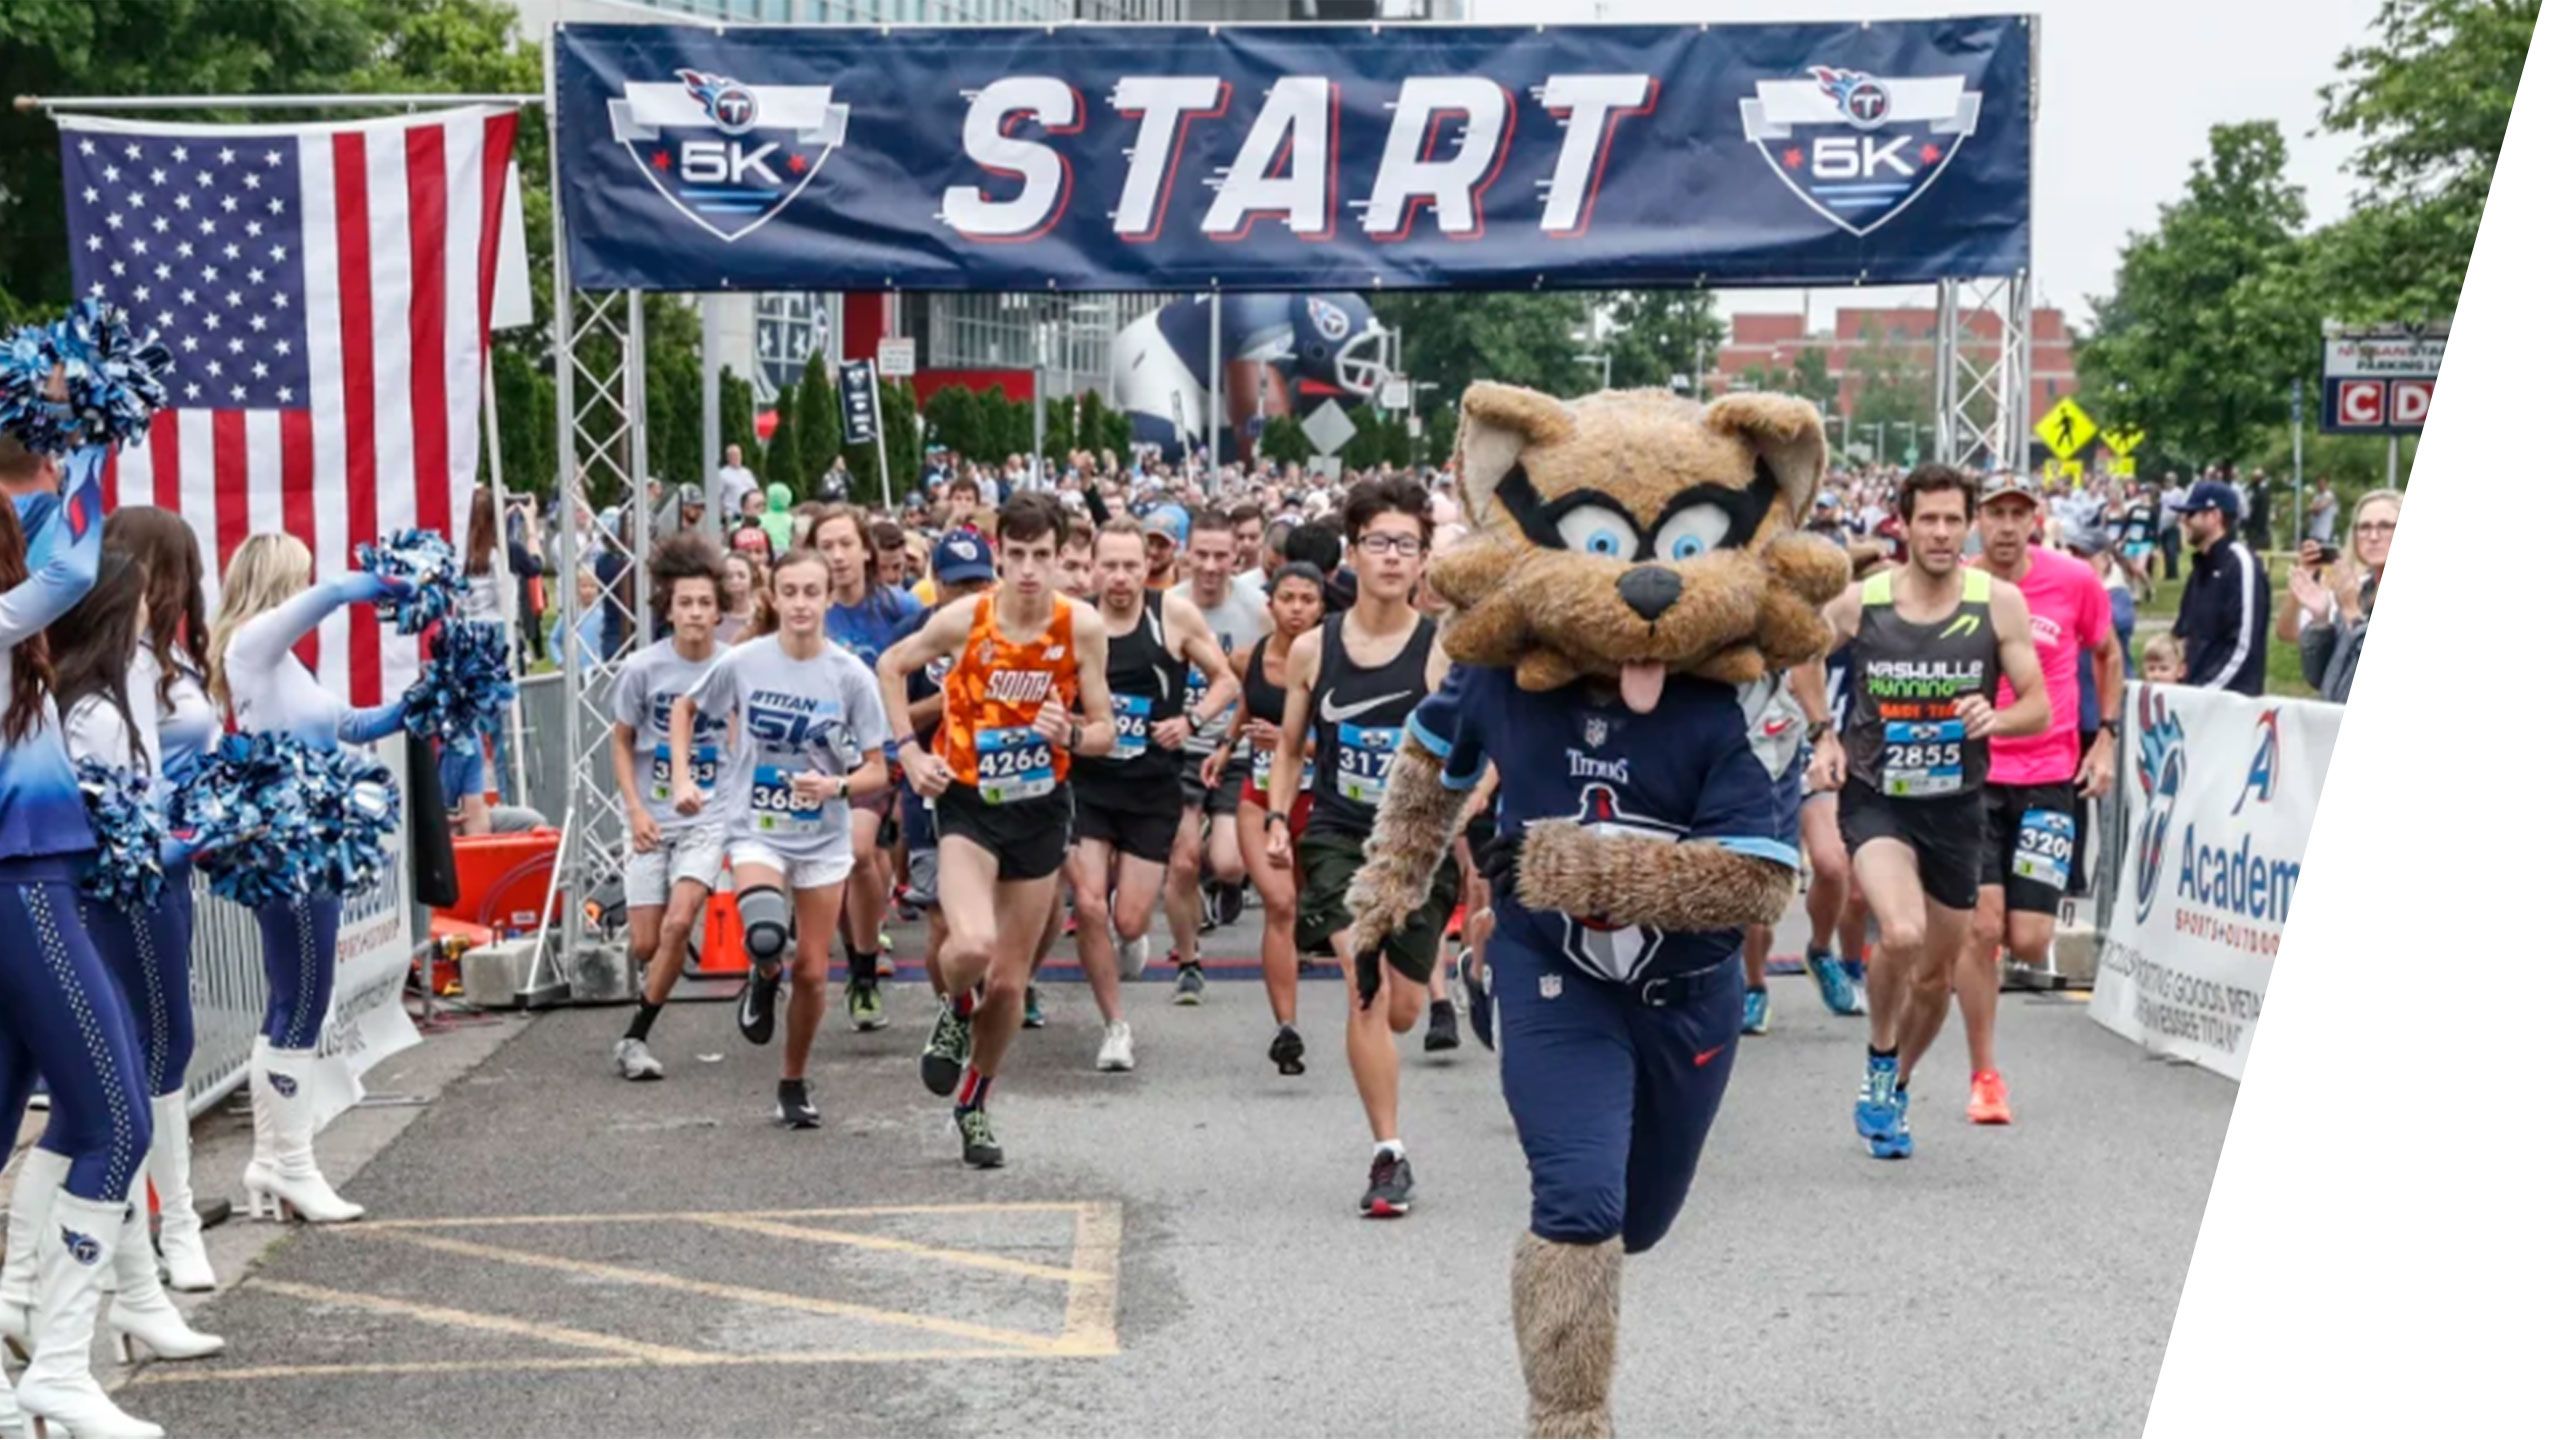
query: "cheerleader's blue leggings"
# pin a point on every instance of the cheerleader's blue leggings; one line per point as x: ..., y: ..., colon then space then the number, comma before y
x: 62, y: 1018
x: 147, y: 953
x: 300, y: 944
x: 1612, y: 1097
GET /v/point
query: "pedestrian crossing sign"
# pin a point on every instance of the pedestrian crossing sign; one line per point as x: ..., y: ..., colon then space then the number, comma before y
x: 2122, y: 465
x: 2066, y: 429
x: 2071, y: 470
x: 2121, y: 443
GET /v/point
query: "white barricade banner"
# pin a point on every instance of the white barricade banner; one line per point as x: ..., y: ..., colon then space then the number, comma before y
x: 2224, y: 789
x: 367, y: 1020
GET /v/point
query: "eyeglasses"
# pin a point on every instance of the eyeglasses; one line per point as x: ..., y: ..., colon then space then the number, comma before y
x: 2376, y: 527
x: 1405, y: 545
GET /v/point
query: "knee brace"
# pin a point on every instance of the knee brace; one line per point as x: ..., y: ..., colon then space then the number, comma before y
x: 765, y: 914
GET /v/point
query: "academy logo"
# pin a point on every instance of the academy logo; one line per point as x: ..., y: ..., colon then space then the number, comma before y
x: 728, y: 154
x: 1859, y: 148
x: 2266, y: 764
x: 2163, y: 772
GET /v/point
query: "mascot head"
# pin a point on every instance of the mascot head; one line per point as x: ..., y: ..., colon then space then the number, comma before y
x: 1629, y: 535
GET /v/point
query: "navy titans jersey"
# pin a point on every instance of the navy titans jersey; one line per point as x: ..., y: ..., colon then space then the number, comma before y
x: 1683, y: 773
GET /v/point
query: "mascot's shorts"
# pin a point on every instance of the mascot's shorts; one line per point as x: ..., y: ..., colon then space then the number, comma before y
x: 1324, y: 907
x: 1612, y: 1095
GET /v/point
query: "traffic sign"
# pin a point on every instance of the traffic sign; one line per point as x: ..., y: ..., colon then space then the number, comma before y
x: 2066, y: 429
x: 1396, y: 394
x: 897, y: 359
x: 1329, y: 429
x: 2379, y: 381
x: 2122, y: 465
x: 2121, y: 443
x: 2064, y: 470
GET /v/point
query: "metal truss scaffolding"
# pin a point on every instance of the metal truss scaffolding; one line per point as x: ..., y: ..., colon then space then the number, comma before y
x: 1983, y: 333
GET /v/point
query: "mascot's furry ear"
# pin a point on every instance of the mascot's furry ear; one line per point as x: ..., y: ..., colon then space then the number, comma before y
x: 1495, y: 423
x: 1785, y: 431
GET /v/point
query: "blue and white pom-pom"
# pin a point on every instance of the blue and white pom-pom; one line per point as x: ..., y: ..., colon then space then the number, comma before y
x: 465, y: 689
x: 280, y: 819
x: 126, y: 872
x: 113, y: 380
x: 427, y: 561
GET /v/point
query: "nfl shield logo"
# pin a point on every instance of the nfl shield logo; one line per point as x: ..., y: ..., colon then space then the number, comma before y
x: 1595, y: 732
x: 1550, y: 986
x: 728, y: 154
x: 1856, y: 147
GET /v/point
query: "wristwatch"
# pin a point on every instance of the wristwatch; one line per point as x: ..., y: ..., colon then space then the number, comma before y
x: 1197, y: 724
x: 2113, y: 727
x: 1817, y: 731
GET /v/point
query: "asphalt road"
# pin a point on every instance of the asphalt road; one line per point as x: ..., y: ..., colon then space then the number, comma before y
x: 554, y: 1251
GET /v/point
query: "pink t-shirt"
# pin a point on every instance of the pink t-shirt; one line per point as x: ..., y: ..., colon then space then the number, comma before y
x: 2067, y: 607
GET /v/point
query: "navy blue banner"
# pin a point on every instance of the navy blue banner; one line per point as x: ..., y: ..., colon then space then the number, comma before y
x: 1293, y: 157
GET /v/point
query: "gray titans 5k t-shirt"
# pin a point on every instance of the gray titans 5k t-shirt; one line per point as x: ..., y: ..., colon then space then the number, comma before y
x: 815, y: 714
x: 642, y: 699
x: 1238, y: 623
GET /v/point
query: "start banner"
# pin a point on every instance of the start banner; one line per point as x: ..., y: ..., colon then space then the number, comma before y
x: 2224, y: 790
x: 1293, y: 157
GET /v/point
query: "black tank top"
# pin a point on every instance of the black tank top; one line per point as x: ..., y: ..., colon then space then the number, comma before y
x: 1904, y: 682
x: 1263, y: 700
x: 1356, y: 727
x: 1146, y: 686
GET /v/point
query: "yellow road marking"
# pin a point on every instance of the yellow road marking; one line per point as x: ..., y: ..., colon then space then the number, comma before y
x: 198, y: 1375
x: 974, y: 1259
x: 776, y: 1299
x: 473, y: 1320
x: 1093, y: 1304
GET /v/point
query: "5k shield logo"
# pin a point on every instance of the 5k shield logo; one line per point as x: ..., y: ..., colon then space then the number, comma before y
x: 728, y: 154
x: 1859, y: 148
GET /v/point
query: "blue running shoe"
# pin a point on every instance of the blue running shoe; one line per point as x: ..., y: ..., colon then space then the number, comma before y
x: 1877, y: 1106
x: 1755, y: 1012
x: 1831, y: 975
x: 1895, y: 1143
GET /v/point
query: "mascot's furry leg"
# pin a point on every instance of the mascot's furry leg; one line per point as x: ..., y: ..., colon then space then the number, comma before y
x: 1564, y: 1310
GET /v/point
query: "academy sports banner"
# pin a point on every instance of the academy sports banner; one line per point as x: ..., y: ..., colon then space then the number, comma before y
x: 1293, y: 157
x: 2224, y: 790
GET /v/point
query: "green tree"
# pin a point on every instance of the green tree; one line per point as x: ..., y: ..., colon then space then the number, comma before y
x: 1892, y: 388
x: 1117, y: 434
x: 1285, y: 440
x: 1656, y: 334
x: 1455, y: 338
x: 1058, y: 432
x: 995, y: 427
x: 821, y: 426
x: 1810, y: 378
x: 738, y: 414
x: 951, y: 419
x: 1089, y: 408
x: 528, y: 432
x: 782, y: 448
x: 2208, y: 322
x: 898, y: 431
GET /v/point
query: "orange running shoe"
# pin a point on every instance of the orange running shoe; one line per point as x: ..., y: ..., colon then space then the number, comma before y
x: 1990, y: 1103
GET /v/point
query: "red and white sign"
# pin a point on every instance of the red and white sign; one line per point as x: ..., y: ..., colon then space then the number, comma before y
x: 2410, y: 400
x: 2360, y: 402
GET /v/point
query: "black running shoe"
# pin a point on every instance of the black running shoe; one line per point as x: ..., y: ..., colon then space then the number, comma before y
x: 945, y: 1052
x: 755, y: 1007
x: 1479, y: 1001
x: 791, y: 1107
x: 1227, y: 902
x: 1390, y: 1187
x: 1443, y: 1034
x: 978, y: 1147
x: 1289, y: 1052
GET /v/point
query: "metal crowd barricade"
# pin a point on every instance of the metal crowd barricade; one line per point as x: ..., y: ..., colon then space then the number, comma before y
x: 230, y: 986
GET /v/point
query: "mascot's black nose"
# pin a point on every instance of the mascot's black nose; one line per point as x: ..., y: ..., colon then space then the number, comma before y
x: 1649, y: 590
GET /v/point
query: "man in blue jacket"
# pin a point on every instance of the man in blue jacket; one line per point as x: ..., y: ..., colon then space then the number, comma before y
x: 2222, y: 619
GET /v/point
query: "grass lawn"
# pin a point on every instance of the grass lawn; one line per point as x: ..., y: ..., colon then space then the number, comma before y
x: 2284, y: 662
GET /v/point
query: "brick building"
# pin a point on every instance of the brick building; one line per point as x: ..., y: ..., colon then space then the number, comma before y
x: 1773, y: 341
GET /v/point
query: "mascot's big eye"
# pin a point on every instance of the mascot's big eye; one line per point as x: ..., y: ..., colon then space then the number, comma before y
x: 1692, y: 532
x: 1597, y: 530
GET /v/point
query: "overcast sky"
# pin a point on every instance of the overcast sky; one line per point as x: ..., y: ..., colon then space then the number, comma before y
x: 2130, y: 89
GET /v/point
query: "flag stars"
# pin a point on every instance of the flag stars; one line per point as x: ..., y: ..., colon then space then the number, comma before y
x: 204, y: 179
x: 187, y: 297
x: 238, y: 344
x: 205, y: 225
x: 114, y: 221
x: 257, y: 276
x: 186, y: 202
x: 159, y: 176
x: 88, y: 147
x: 193, y: 389
x: 275, y: 158
x: 96, y: 244
x: 255, y: 228
x: 230, y: 252
x: 186, y: 249
x: 284, y: 347
x: 212, y: 321
x: 188, y: 344
x: 224, y: 154
x: 112, y: 173
x: 275, y: 207
x: 258, y: 323
x: 258, y: 371
x: 166, y: 319
x: 284, y: 395
x: 276, y: 253
x: 116, y: 268
x: 230, y: 204
x: 160, y: 272
x: 239, y: 392
x: 179, y: 154
x: 234, y: 299
x: 132, y: 152
x: 159, y: 224
x: 89, y: 194
x: 283, y: 300
x: 213, y: 367
x: 141, y: 246
x: 249, y: 181
x: 134, y: 199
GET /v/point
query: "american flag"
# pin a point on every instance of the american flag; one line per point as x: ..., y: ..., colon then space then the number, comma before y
x: 325, y: 292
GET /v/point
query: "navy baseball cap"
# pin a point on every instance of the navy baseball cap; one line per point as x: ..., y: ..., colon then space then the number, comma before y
x: 962, y: 557
x: 2211, y: 495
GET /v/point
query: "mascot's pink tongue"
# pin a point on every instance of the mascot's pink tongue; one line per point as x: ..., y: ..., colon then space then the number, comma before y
x: 1640, y: 686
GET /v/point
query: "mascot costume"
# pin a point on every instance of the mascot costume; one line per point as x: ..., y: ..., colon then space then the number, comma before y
x: 1630, y: 590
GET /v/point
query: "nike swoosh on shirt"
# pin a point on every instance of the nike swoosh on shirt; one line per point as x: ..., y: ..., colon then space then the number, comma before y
x: 1335, y: 715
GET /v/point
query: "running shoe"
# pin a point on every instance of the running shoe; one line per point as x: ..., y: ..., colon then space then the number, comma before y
x: 1895, y: 1143
x: 945, y: 1052
x: 1831, y: 976
x: 1289, y: 1051
x: 1133, y: 956
x: 1033, y: 1018
x: 755, y: 1006
x: 1390, y: 1192
x: 633, y: 1059
x: 978, y: 1147
x: 1189, y: 983
x: 887, y: 942
x: 1755, y: 1012
x: 862, y: 1000
x: 1443, y: 1033
x: 791, y: 1107
x: 908, y: 910
x: 1227, y: 903
x: 1119, y: 1051
x: 1478, y: 984
x: 1876, y: 1103
x: 1990, y: 1102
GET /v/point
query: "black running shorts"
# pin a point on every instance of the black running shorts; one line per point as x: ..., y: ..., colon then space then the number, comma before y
x: 1142, y: 834
x: 1027, y: 837
x: 2029, y: 834
x: 1945, y: 834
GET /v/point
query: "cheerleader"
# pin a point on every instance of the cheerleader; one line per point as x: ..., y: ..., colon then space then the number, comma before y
x: 269, y: 603
x: 169, y: 671
x: 76, y: 1221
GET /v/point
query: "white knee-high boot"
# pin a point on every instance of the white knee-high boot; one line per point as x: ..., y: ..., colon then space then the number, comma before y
x: 75, y: 1255
x: 170, y: 1164
x: 40, y: 1174
x: 290, y: 1182
x: 141, y: 1315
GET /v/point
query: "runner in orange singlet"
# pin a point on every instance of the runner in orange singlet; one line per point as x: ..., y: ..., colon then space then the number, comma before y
x: 1026, y: 659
